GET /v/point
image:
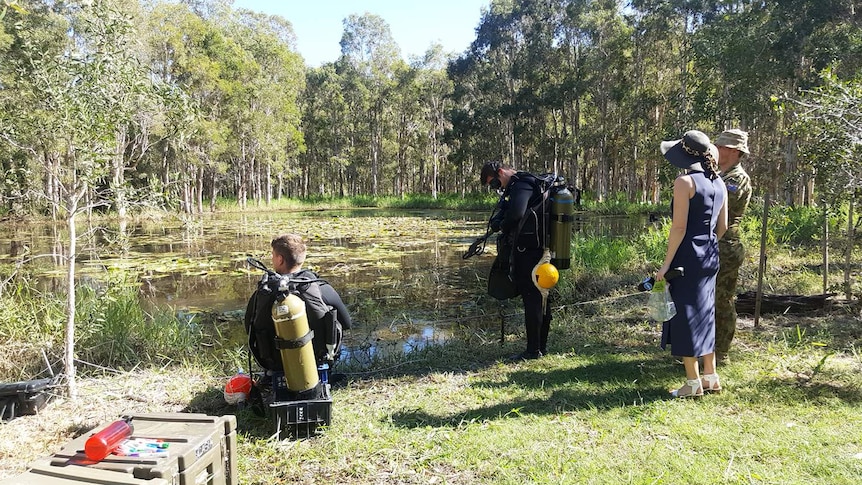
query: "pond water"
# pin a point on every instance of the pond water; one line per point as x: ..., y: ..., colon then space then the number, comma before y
x: 400, y: 272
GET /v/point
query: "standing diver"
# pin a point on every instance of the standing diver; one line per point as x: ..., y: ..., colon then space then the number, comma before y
x: 523, y: 234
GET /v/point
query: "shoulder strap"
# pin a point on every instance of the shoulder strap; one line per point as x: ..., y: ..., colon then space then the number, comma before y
x: 541, y: 185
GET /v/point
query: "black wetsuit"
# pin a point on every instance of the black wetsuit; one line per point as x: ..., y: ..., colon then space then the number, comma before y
x: 522, y: 194
x: 333, y: 299
x: 326, y: 312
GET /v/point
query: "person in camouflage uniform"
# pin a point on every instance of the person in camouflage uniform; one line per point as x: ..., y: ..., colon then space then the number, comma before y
x: 732, y: 149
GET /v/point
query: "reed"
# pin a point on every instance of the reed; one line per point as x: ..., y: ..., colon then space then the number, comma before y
x: 114, y: 328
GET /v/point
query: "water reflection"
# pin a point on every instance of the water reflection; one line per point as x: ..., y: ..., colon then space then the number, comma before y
x: 400, y: 272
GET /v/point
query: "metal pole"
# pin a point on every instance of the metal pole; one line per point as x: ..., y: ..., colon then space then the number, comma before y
x: 502, y: 326
x: 762, y: 266
x: 848, y: 257
x: 825, y: 247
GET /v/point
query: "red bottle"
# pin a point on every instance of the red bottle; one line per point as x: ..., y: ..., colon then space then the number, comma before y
x: 109, y: 439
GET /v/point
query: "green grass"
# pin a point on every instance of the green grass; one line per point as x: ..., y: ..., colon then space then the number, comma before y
x: 594, y: 411
x: 471, y: 201
x: 114, y: 328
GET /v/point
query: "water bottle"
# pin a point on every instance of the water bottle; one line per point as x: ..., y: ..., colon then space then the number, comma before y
x: 109, y: 439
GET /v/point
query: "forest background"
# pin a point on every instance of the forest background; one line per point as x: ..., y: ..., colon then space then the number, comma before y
x: 132, y: 104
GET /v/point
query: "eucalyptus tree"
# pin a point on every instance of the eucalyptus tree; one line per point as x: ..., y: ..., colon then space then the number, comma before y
x: 81, y: 96
x: 542, y: 71
x: 270, y: 120
x: 200, y: 58
x: 176, y: 36
x: 811, y: 36
x: 370, y: 53
x: 549, y: 66
x: 492, y: 57
x: 755, y: 51
x: 325, y: 115
x: 406, y: 106
x: 607, y: 59
x: 828, y: 125
x: 463, y: 138
x: 356, y: 151
x: 569, y: 85
x: 434, y: 96
x: 26, y: 159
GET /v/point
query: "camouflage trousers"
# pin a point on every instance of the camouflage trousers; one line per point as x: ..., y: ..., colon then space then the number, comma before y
x: 731, y: 256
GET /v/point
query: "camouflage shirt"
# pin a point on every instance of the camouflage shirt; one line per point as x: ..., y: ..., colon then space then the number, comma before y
x: 738, y: 195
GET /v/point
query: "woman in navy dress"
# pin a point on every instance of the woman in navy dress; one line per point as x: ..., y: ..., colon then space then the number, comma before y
x: 699, y: 220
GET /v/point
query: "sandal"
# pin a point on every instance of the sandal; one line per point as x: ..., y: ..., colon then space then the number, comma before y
x: 692, y: 388
x: 710, y: 383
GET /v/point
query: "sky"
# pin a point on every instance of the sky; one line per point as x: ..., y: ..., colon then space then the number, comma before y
x: 414, y: 24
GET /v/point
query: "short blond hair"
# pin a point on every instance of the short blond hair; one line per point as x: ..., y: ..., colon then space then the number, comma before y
x: 291, y: 248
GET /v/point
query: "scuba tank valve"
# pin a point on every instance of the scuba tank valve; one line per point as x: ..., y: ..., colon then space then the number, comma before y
x: 562, y: 215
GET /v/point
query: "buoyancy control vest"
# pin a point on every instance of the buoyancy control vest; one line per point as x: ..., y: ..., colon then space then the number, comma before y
x: 548, y: 222
x: 322, y: 318
x: 551, y: 212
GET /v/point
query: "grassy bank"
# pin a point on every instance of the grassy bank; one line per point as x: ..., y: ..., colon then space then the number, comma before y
x: 471, y: 201
x: 594, y: 411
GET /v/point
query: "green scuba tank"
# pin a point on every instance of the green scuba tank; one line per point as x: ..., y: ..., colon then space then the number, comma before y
x: 562, y: 215
x: 294, y: 342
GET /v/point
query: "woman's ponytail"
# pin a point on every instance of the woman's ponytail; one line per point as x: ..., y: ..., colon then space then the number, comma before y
x: 710, y: 166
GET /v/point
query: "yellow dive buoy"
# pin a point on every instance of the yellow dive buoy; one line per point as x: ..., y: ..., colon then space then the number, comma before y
x: 547, y: 276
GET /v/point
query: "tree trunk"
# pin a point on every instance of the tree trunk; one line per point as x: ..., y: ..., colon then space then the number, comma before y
x: 187, y: 191
x: 375, y: 145
x: 825, y: 246
x: 268, y: 188
x: 436, y: 133
x: 213, y: 190
x: 848, y: 252
x: 790, y: 152
x: 69, y: 354
x: 761, y: 268
x: 280, y: 191
x: 256, y: 177
x: 119, y: 182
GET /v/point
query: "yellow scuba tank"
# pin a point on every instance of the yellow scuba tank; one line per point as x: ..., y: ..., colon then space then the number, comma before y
x: 294, y: 343
x: 562, y: 215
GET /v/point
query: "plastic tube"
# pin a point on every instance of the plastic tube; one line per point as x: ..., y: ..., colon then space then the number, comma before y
x: 109, y: 439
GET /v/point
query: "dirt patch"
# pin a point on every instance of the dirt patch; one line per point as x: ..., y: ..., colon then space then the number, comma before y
x: 100, y: 400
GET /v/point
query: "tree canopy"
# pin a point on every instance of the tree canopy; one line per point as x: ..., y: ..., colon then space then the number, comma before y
x: 174, y: 104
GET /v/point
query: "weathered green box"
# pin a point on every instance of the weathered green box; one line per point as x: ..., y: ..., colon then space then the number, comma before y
x: 202, y: 450
x: 44, y: 474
